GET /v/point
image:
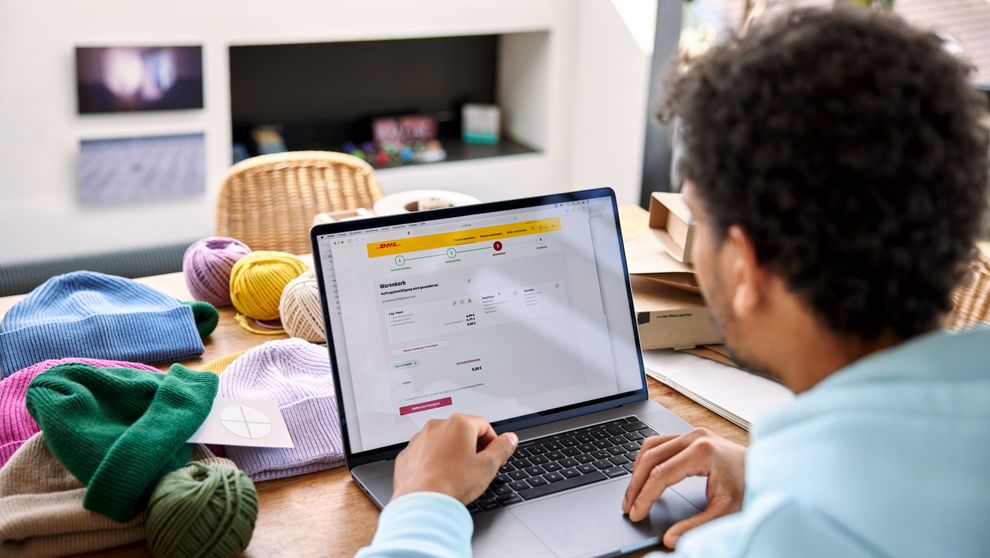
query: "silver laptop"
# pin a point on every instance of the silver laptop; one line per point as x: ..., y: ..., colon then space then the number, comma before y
x: 518, y: 311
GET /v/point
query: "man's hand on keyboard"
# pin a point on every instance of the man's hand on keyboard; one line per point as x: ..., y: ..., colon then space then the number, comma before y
x: 666, y: 460
x: 458, y: 456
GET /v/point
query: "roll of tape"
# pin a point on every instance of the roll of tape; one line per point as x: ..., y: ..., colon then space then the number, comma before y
x: 415, y: 200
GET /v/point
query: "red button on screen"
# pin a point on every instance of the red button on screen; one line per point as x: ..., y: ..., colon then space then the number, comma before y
x: 426, y: 406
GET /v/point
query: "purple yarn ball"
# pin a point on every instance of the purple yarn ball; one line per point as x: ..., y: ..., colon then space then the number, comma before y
x: 207, y: 264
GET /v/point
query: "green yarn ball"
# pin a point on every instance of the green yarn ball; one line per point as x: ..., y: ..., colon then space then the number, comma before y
x: 202, y: 510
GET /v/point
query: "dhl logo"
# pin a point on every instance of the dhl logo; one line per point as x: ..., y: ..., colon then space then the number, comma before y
x: 388, y: 245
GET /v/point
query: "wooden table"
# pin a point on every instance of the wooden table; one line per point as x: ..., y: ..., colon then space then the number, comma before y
x: 326, y: 514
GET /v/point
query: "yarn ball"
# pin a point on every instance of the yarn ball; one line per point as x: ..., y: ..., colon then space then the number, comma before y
x: 300, y: 308
x: 257, y: 281
x: 207, y: 264
x: 202, y: 509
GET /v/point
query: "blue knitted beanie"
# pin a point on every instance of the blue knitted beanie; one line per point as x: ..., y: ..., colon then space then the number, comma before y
x: 87, y: 314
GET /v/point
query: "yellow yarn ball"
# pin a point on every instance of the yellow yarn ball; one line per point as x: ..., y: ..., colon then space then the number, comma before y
x: 302, y: 313
x: 257, y: 281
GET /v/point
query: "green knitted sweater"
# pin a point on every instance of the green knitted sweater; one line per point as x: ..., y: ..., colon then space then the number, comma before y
x: 119, y: 430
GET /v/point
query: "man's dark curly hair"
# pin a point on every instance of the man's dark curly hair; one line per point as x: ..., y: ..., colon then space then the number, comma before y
x: 850, y: 147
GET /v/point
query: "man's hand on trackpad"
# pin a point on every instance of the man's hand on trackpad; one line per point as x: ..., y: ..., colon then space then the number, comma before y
x: 666, y: 460
x: 458, y: 456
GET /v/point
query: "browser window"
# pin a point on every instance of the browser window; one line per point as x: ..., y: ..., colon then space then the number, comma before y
x: 499, y: 315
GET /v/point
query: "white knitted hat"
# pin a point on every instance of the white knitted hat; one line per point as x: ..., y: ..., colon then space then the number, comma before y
x: 298, y: 376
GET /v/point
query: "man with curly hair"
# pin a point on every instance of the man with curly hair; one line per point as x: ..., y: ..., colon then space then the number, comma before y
x: 836, y: 164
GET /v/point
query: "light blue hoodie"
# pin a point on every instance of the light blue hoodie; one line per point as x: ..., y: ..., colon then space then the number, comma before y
x: 887, y: 457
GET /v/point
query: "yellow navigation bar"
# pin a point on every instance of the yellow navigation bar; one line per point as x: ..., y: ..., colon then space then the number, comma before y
x: 457, y: 238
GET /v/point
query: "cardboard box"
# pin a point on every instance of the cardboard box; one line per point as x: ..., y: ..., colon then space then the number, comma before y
x: 683, y: 281
x: 645, y: 254
x: 670, y: 220
x: 480, y: 123
x: 646, y: 257
x: 718, y: 353
x: 669, y: 317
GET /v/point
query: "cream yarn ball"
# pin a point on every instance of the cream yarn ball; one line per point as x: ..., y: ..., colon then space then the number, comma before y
x: 302, y: 314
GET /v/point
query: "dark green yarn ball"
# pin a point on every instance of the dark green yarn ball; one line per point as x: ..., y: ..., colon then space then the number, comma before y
x: 202, y: 510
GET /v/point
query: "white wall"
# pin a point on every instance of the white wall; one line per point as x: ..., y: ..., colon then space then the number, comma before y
x: 596, y: 84
x: 611, y: 89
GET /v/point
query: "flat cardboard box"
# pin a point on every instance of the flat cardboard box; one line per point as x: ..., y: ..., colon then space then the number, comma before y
x: 669, y: 317
x: 683, y: 281
x: 646, y: 257
x: 718, y: 353
x: 670, y: 221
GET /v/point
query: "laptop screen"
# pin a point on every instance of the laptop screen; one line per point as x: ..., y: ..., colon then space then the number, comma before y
x: 500, y: 314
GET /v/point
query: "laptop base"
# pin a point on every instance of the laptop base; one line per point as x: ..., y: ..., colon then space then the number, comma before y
x: 584, y: 521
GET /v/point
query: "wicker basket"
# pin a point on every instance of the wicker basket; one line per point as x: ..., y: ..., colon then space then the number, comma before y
x: 268, y: 202
x: 971, y: 299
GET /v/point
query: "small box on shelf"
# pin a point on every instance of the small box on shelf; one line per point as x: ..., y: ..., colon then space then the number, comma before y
x: 481, y: 123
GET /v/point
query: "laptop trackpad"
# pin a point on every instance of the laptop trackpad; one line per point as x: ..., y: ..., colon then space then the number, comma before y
x: 589, y: 521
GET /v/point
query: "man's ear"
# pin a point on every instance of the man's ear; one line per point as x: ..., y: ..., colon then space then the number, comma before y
x: 744, y: 271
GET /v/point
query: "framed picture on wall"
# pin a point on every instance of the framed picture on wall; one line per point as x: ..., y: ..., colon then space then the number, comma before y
x: 141, y: 169
x: 127, y: 79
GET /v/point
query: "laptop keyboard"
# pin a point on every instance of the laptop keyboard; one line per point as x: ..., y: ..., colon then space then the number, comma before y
x: 564, y: 461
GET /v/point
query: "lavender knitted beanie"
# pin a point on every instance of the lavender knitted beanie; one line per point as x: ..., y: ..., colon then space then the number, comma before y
x: 297, y: 375
x: 16, y: 425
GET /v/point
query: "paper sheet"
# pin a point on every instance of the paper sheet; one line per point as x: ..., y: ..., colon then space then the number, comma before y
x: 244, y: 422
x: 734, y: 394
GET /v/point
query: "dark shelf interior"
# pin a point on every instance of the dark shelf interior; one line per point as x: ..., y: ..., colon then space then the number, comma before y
x: 323, y: 96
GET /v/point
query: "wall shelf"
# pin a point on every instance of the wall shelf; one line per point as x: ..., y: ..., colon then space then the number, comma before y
x: 459, y: 150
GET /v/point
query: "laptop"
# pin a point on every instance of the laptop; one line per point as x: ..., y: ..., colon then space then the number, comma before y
x: 518, y: 311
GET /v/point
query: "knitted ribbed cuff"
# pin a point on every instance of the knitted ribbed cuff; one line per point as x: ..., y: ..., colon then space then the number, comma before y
x: 139, y: 338
x: 16, y: 424
x: 206, y: 315
x: 131, y: 468
x: 41, y: 512
x: 315, y: 432
x: 7, y: 450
